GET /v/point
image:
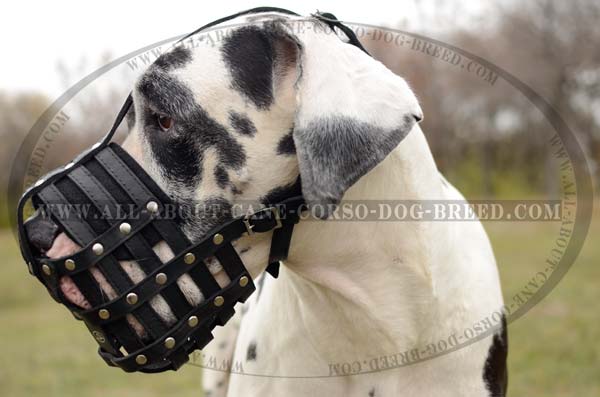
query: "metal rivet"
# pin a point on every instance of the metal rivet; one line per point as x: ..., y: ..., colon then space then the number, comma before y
x: 193, y: 321
x: 46, y: 269
x: 132, y: 298
x: 243, y: 281
x: 141, y: 359
x: 99, y: 336
x: 218, y: 239
x: 152, y: 206
x: 170, y: 342
x: 160, y: 278
x: 219, y: 300
x: 98, y: 249
x: 125, y: 228
x: 189, y: 258
x: 70, y: 264
x: 104, y: 314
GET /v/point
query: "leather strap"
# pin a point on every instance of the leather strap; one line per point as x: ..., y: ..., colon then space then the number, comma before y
x: 290, y: 210
x: 333, y: 23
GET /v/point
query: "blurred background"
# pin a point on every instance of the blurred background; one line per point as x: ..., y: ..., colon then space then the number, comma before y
x: 486, y: 137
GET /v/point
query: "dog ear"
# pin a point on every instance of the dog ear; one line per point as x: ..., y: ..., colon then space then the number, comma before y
x: 260, y: 58
x: 351, y: 113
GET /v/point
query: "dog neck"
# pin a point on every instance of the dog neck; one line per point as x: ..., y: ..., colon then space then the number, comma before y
x: 380, y: 269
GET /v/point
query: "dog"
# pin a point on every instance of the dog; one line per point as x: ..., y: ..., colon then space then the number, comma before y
x: 282, y: 97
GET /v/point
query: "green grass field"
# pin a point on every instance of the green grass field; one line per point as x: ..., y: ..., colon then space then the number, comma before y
x: 554, y: 349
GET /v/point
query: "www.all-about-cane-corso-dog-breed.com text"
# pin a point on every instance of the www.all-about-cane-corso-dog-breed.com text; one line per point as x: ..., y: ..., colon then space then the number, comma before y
x: 273, y: 111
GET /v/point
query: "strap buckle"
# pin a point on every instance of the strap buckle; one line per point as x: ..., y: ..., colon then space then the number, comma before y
x: 274, y: 213
x: 277, y: 216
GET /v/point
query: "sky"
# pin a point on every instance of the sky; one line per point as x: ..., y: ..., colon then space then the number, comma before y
x: 36, y: 36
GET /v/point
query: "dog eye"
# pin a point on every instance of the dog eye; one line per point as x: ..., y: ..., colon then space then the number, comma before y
x: 164, y: 122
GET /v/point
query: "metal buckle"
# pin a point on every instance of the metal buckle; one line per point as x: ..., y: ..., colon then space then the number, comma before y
x: 275, y: 211
x: 250, y: 227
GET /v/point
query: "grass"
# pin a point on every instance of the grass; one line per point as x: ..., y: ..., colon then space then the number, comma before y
x: 554, y: 349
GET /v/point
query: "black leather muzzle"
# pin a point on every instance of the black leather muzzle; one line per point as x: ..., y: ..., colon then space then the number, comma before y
x: 107, y: 204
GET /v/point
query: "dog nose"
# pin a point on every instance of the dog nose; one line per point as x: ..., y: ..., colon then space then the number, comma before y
x: 418, y: 116
x: 41, y: 231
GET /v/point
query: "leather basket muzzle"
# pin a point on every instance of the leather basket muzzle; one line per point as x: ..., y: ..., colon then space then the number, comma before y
x: 106, y: 203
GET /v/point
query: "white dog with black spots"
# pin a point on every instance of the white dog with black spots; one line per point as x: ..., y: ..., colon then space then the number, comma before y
x: 282, y: 97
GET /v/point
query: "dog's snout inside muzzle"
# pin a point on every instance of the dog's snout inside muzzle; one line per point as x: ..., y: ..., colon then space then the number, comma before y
x: 107, y: 204
x: 41, y: 231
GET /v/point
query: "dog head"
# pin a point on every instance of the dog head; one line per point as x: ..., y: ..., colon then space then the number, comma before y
x: 276, y: 98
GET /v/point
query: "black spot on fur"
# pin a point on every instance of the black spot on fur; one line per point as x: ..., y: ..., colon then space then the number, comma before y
x: 222, y: 345
x: 208, y: 133
x: 248, y: 54
x: 495, y: 373
x: 245, y: 249
x: 286, y: 144
x: 372, y: 392
x: 174, y: 59
x: 282, y: 192
x: 255, y: 54
x: 221, y: 176
x: 242, y: 124
x: 251, y: 352
x: 220, y: 384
